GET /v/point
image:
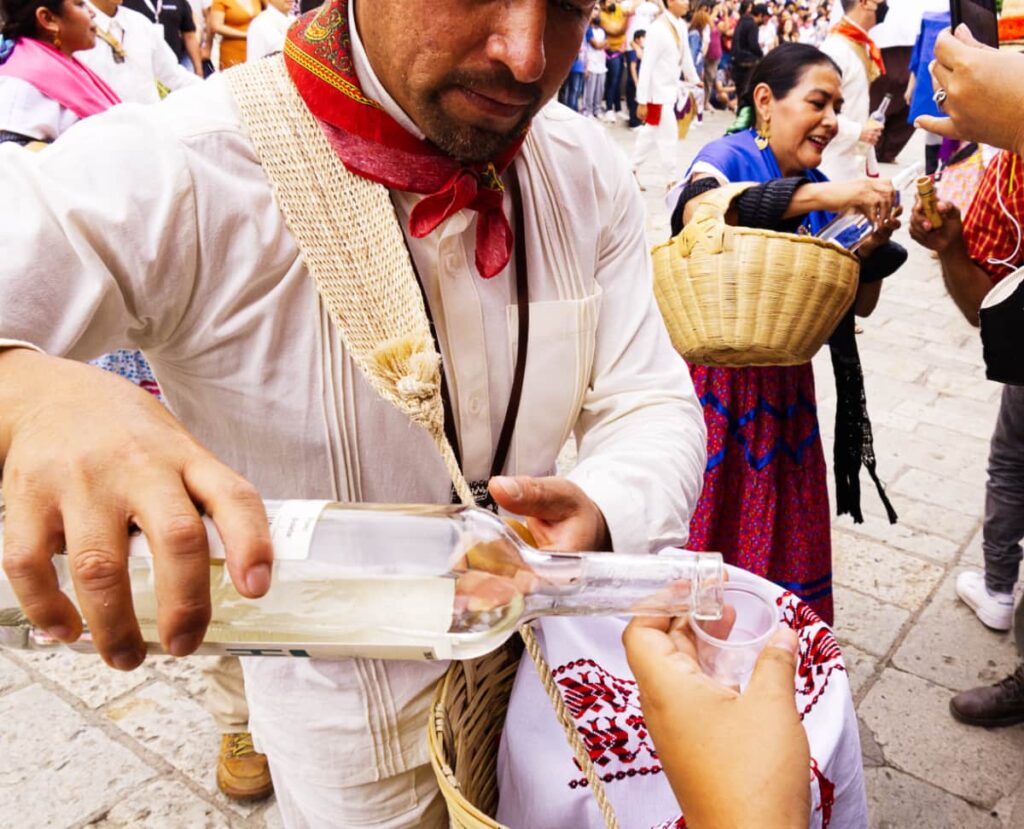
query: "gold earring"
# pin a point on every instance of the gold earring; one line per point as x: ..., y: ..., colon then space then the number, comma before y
x: 56, y: 40
x: 764, y: 135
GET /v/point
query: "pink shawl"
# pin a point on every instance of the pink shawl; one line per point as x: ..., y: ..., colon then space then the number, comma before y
x: 59, y: 77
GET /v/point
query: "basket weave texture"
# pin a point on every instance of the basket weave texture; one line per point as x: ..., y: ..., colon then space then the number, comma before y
x: 467, y: 719
x: 738, y: 296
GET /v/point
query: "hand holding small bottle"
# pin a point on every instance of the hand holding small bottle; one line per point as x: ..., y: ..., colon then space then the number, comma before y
x: 733, y: 760
x: 936, y: 239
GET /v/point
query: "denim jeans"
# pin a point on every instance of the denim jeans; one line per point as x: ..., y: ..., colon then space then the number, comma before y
x: 572, y: 91
x: 613, y: 84
x: 1004, y: 495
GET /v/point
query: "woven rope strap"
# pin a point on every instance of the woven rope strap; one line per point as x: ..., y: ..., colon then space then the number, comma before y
x: 353, y: 247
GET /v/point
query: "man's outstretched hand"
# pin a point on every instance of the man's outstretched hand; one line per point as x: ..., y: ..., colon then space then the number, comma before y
x: 558, y: 513
x: 85, y: 455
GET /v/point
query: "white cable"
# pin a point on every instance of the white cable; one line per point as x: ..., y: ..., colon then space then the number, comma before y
x: 1009, y: 262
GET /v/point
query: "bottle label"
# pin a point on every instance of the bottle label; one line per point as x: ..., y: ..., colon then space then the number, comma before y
x: 292, y: 524
x: 291, y: 528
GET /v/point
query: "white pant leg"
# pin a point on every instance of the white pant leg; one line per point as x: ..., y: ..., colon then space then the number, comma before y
x: 668, y: 141
x: 646, y: 141
x: 410, y: 800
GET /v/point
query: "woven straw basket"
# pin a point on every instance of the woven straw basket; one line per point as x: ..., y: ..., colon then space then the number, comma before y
x: 736, y: 296
x: 466, y: 721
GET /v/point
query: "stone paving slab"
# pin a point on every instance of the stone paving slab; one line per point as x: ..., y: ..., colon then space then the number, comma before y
x: 87, y: 678
x: 909, y: 718
x: 159, y: 805
x: 899, y: 801
x: 867, y: 622
x: 949, y: 646
x: 892, y: 576
x: 180, y: 730
x: 57, y: 768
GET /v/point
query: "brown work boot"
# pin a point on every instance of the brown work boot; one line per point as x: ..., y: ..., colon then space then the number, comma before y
x: 992, y: 705
x: 242, y: 772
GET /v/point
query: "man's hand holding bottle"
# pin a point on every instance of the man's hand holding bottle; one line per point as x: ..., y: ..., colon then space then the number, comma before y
x: 951, y: 232
x: 86, y: 455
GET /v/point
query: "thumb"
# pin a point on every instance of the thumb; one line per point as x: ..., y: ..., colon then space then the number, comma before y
x: 775, y: 667
x: 963, y: 34
x: 549, y: 499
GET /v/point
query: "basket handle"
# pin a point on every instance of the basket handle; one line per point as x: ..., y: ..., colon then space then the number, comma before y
x: 708, y: 227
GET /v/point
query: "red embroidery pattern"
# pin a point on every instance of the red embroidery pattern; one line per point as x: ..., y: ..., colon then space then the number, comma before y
x: 607, y: 711
x: 827, y: 794
x: 820, y: 655
x: 678, y: 823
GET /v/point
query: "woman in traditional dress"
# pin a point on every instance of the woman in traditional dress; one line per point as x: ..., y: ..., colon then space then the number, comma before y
x: 765, y: 500
x: 43, y: 89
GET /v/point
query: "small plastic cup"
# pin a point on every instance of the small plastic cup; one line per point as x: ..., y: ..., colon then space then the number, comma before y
x: 727, y: 648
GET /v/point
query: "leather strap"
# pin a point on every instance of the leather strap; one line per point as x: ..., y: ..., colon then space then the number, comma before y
x: 479, y: 488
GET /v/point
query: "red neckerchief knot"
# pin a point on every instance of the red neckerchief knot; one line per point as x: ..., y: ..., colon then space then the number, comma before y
x: 318, y: 55
x: 480, y: 192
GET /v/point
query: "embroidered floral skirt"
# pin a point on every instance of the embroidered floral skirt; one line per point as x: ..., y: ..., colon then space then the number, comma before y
x: 765, y: 500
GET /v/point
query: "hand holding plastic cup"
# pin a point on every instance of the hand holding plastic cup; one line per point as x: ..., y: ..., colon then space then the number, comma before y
x: 727, y: 648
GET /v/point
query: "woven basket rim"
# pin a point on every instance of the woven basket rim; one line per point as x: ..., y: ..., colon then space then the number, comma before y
x: 450, y: 788
x: 740, y: 230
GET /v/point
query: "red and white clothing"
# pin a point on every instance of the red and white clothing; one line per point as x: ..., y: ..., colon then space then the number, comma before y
x: 845, y: 157
x: 666, y: 55
x: 993, y: 242
x: 542, y: 788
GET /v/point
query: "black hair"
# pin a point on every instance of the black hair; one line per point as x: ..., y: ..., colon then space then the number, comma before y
x: 745, y: 6
x: 759, y: 9
x: 782, y: 69
x: 639, y: 33
x: 19, y: 16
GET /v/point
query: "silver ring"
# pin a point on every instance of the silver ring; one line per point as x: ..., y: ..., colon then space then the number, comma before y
x: 939, y: 97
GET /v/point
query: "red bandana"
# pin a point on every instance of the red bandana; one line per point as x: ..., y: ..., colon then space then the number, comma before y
x: 853, y: 32
x: 318, y: 55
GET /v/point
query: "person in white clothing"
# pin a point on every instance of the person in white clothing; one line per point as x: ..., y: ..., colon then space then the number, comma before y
x: 200, y: 270
x: 267, y: 31
x: 132, y: 56
x: 666, y: 55
x: 860, y: 61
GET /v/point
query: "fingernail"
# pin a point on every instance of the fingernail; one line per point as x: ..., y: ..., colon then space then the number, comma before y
x: 184, y: 643
x: 510, y: 485
x: 59, y: 632
x: 127, y: 660
x: 257, y: 579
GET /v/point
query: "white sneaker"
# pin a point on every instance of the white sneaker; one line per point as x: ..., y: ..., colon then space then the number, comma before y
x: 608, y: 116
x: 994, y: 609
x: 622, y: 115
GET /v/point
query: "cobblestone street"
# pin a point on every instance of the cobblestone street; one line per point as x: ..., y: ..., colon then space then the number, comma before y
x: 82, y: 745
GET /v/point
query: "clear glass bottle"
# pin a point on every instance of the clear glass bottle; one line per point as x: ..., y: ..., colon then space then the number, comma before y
x: 851, y: 228
x: 403, y: 582
x: 878, y: 116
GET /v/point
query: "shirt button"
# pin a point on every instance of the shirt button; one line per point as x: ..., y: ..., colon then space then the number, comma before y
x: 474, y: 404
x: 451, y: 262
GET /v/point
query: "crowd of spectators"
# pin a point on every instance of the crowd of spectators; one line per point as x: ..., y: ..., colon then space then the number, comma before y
x: 724, y: 40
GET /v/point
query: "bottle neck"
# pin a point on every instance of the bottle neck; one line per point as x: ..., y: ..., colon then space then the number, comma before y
x: 608, y: 584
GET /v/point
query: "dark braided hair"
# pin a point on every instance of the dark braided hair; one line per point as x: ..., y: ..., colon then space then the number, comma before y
x: 781, y: 69
x: 19, y: 16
